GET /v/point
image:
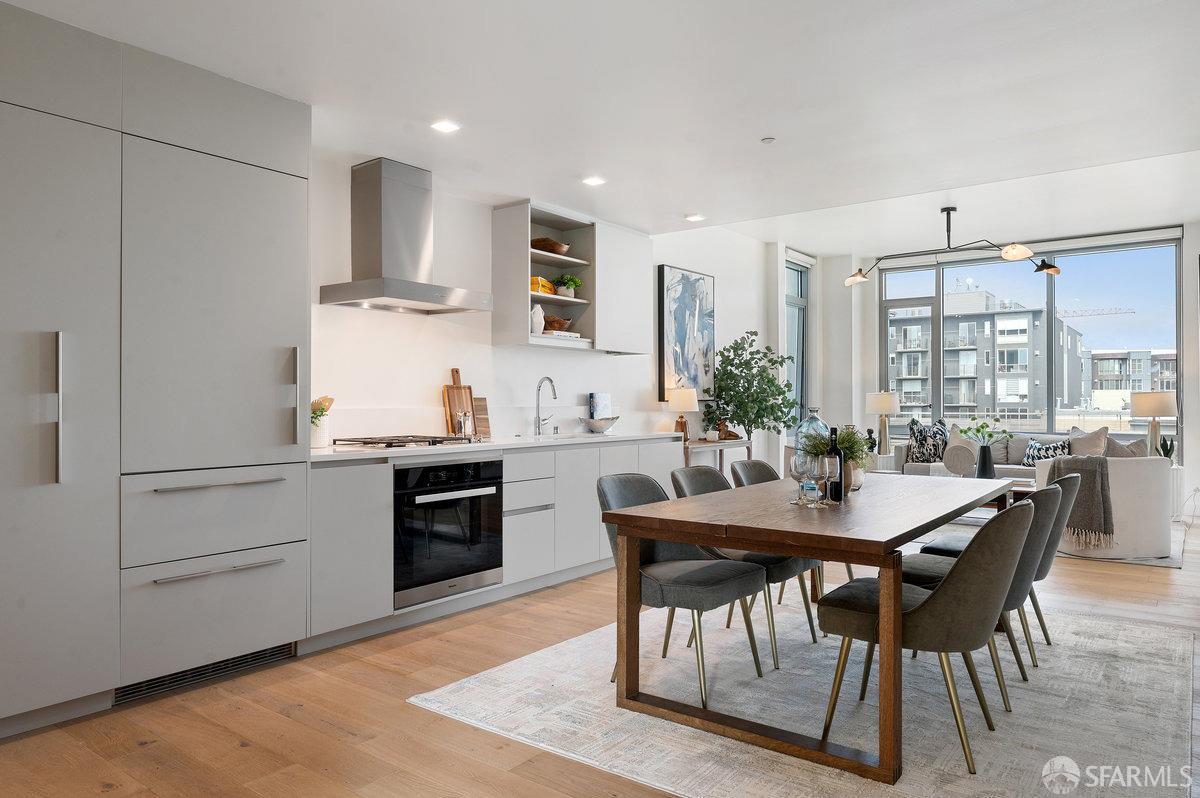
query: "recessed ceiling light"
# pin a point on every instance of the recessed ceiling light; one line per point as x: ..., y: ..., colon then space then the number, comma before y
x: 594, y: 180
x: 767, y: 139
x: 445, y: 126
x: 695, y: 217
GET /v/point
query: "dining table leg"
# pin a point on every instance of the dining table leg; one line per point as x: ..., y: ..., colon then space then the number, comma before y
x: 890, y: 681
x: 629, y: 605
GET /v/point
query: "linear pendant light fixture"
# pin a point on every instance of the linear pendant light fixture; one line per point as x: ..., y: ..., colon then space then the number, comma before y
x: 1012, y: 252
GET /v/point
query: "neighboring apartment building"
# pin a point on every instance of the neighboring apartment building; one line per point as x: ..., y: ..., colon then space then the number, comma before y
x: 1112, y: 374
x: 994, y: 359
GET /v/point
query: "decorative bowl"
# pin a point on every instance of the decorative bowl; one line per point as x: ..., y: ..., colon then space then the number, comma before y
x: 557, y: 323
x: 549, y: 245
x: 599, y: 424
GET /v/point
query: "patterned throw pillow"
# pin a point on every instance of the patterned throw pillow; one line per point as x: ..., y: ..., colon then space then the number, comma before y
x: 1045, y: 451
x: 926, y: 444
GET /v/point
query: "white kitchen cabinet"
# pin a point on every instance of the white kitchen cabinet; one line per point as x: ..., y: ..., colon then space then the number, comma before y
x: 168, y: 100
x: 528, y: 545
x: 624, y: 290
x: 350, y: 543
x: 528, y: 464
x: 187, y: 613
x: 659, y: 459
x: 615, y: 460
x: 53, y: 67
x: 215, y: 310
x: 576, y: 506
x: 60, y: 250
x: 181, y: 514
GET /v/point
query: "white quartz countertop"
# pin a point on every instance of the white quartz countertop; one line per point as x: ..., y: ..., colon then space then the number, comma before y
x: 334, y: 453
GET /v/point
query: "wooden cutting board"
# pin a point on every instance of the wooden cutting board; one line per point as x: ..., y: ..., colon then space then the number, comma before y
x: 483, y: 426
x: 456, y: 398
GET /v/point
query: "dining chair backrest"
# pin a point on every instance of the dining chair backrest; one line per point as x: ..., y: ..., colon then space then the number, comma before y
x: 1069, y: 485
x: 1045, y: 507
x: 618, y: 491
x: 752, y: 472
x: 961, y: 613
x: 695, y: 480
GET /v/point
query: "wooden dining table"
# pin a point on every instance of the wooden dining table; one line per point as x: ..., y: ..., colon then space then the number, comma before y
x: 868, y: 528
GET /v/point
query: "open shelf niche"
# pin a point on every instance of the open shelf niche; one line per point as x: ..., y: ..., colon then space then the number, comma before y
x: 581, y: 236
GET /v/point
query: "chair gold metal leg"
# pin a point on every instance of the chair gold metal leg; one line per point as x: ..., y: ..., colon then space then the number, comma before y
x: 969, y: 661
x: 700, y: 658
x: 691, y: 638
x: 782, y: 585
x: 838, y: 672
x: 667, y: 634
x: 753, y: 599
x: 849, y: 571
x: 999, y: 673
x: 862, y: 691
x: 821, y: 589
x: 1006, y: 624
x: 613, y: 680
x: 771, y: 626
x: 729, y: 617
x: 812, y: 627
x: 1028, y: 637
x: 1037, y: 610
x: 948, y: 675
x: 750, y: 634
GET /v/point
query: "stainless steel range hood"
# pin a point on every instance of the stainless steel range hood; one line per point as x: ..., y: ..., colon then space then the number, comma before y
x: 391, y: 246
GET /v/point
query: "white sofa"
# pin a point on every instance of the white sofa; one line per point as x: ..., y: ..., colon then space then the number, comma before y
x: 1006, y: 455
x: 1140, y: 490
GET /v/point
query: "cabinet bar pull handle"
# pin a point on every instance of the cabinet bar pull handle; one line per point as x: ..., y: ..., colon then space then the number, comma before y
x: 58, y: 387
x: 296, y: 374
x: 206, y: 485
x: 453, y: 494
x: 167, y: 579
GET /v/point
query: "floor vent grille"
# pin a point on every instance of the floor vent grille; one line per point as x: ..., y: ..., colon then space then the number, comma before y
x: 204, y: 673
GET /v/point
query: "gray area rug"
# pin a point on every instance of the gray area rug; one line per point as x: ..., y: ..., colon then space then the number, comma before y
x: 1107, y: 693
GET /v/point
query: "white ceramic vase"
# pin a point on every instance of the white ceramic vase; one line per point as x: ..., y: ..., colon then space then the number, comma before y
x: 537, y: 320
x: 320, y: 435
x: 562, y: 290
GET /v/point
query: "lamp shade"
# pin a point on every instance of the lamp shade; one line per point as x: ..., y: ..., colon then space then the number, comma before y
x: 683, y: 400
x: 885, y: 403
x: 856, y: 278
x: 1016, y: 252
x: 1152, y: 404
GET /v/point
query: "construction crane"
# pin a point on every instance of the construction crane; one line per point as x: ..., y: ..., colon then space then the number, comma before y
x: 1075, y: 314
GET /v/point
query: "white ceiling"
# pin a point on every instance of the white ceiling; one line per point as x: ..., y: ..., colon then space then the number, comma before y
x: 668, y: 99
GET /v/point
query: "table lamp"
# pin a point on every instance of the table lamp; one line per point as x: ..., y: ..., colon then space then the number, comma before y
x: 1152, y: 405
x: 884, y: 404
x: 684, y: 400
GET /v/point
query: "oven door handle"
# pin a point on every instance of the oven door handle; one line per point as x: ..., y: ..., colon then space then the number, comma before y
x: 453, y: 494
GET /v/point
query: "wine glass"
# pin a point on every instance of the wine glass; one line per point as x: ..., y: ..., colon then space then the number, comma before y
x: 830, y: 470
x: 801, y: 469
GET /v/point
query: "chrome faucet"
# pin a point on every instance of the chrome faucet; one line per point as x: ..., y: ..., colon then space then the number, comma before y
x: 538, y: 421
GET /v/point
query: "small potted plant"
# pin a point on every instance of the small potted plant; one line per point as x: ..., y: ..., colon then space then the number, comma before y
x: 984, y: 433
x: 854, y: 451
x: 566, y: 284
x: 320, y: 436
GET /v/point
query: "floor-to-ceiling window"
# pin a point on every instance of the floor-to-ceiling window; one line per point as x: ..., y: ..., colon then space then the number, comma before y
x: 796, y: 279
x: 1041, y: 352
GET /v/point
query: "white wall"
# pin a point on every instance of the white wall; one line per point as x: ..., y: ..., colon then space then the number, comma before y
x: 385, y: 370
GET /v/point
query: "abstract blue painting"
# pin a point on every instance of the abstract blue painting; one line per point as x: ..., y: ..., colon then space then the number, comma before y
x: 687, y: 331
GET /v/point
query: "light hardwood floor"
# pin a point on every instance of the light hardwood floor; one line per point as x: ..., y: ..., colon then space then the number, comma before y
x: 337, y: 723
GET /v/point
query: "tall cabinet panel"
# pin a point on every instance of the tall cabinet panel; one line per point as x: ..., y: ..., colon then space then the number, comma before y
x: 59, y: 360
x: 624, y: 290
x: 214, y: 312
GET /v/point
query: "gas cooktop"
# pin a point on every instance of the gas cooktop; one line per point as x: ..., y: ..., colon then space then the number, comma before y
x: 401, y: 441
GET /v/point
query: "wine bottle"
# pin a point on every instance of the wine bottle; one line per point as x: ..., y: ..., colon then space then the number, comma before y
x: 836, y: 493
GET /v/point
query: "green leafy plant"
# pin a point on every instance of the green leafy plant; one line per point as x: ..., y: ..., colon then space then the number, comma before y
x: 852, y: 443
x: 747, y: 391
x: 568, y: 281
x: 1167, y: 447
x: 320, y: 408
x: 983, y: 432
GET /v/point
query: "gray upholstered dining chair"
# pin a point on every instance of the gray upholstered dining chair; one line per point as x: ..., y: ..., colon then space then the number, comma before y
x: 923, y: 569
x: 696, y: 480
x: 681, y: 575
x: 958, y: 615
x: 752, y: 472
x: 1070, y: 491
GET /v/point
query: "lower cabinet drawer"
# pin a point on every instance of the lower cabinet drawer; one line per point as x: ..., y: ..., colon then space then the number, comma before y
x: 181, y: 514
x: 188, y: 613
x: 530, y: 493
x: 528, y: 545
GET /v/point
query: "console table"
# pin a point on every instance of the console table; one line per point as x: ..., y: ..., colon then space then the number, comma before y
x: 703, y: 445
